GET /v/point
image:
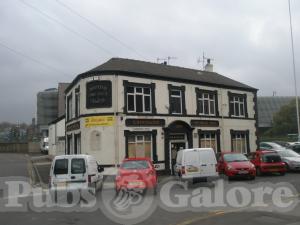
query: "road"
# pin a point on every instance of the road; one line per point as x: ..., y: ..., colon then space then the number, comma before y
x: 17, y: 165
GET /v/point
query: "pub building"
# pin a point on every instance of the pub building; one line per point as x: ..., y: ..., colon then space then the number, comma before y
x: 130, y: 108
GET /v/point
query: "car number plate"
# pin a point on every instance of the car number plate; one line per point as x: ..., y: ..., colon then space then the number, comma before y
x: 243, y: 172
x: 61, y: 184
x: 134, y: 183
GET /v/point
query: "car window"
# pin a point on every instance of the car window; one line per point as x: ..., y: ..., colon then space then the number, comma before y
x: 288, y: 153
x: 271, y: 158
x: 191, y: 158
x: 133, y: 165
x: 78, y: 166
x: 61, y: 166
x: 235, y: 158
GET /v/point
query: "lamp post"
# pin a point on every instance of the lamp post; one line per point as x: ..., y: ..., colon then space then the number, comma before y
x: 294, y: 69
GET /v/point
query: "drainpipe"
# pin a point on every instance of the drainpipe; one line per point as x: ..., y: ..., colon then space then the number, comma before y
x: 116, y: 121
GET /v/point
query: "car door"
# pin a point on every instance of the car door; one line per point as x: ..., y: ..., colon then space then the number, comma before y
x: 60, y: 176
x: 78, y: 172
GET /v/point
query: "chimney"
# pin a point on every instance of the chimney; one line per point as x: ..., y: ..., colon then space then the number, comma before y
x: 209, y: 67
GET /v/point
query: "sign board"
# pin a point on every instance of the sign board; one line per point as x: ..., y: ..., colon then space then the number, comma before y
x: 98, y: 94
x: 204, y: 123
x: 99, y: 121
x: 144, y: 122
x: 159, y: 166
x: 73, y: 126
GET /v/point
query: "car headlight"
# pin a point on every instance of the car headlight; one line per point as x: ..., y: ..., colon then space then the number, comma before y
x: 229, y: 167
x: 252, y: 166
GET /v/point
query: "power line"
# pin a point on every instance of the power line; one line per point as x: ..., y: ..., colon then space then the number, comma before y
x: 100, y: 29
x: 66, y: 27
x: 33, y: 59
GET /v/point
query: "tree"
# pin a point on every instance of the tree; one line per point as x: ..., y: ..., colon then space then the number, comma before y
x: 284, y: 121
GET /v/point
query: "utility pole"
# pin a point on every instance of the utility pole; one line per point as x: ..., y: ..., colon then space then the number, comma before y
x: 294, y: 69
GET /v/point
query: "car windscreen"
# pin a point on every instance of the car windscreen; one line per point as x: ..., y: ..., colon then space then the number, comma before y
x: 135, y: 165
x: 235, y: 158
x: 77, y: 166
x: 271, y: 158
x: 288, y: 153
x: 61, y: 166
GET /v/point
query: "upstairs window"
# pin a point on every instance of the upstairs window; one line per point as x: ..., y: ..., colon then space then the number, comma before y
x: 69, y: 107
x: 77, y: 102
x: 237, y: 105
x: 207, y: 102
x: 139, y: 98
x: 177, y: 100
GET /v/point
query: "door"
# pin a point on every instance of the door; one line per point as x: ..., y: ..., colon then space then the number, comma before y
x: 174, y: 148
x: 208, y: 162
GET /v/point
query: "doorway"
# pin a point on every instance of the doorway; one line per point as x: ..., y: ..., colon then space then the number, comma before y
x: 175, y: 146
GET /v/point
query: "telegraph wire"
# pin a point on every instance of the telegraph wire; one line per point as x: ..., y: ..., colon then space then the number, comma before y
x: 100, y: 29
x: 66, y: 27
x: 33, y: 59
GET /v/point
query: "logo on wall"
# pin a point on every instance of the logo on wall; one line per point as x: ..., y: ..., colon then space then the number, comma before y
x: 98, y: 94
x: 95, y: 121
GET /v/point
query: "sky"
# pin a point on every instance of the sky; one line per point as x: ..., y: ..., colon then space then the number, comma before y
x: 43, y: 42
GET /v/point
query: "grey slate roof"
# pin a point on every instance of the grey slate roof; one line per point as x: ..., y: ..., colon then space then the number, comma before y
x: 136, y: 68
x: 168, y: 72
x: 267, y: 106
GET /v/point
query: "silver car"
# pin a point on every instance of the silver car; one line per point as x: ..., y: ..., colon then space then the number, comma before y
x: 291, y: 159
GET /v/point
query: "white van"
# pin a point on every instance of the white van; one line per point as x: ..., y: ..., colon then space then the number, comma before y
x: 196, y: 164
x: 75, y: 172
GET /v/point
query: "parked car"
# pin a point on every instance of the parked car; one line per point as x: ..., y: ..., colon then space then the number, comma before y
x: 44, y: 145
x: 267, y: 162
x: 291, y: 159
x: 136, y: 174
x: 270, y: 146
x: 295, y: 148
x: 196, y: 164
x: 283, y: 143
x: 75, y: 172
x: 236, y: 165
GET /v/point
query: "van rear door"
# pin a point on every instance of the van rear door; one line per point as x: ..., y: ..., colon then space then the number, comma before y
x: 60, y: 173
x: 192, y: 162
x: 78, y: 171
x: 208, y: 162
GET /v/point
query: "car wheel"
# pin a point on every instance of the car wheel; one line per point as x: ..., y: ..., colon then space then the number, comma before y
x: 287, y: 167
x: 258, y: 171
x: 252, y: 177
x: 282, y: 173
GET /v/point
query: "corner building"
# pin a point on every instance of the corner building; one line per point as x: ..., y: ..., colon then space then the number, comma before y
x: 129, y: 108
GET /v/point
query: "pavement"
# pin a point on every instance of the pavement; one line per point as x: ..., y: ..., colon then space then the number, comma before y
x: 36, y: 169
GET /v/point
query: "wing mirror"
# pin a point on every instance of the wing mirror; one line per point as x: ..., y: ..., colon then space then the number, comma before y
x: 100, y: 168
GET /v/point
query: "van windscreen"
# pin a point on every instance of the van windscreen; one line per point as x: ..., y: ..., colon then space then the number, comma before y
x: 77, y: 166
x: 61, y: 166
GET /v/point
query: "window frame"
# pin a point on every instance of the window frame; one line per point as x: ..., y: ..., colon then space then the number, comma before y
x: 69, y: 106
x: 246, y: 137
x: 151, y: 87
x: 182, y: 98
x: 199, y: 94
x: 217, y: 134
x: 77, y: 102
x: 232, y: 113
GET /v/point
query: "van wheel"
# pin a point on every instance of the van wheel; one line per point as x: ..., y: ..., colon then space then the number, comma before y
x: 69, y: 197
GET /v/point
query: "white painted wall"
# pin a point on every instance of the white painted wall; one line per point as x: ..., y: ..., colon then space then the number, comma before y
x: 56, y: 132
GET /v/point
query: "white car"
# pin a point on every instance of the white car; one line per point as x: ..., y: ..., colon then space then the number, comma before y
x: 75, y: 172
x: 196, y: 164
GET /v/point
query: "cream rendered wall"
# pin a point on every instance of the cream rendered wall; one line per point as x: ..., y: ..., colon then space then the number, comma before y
x: 52, y: 138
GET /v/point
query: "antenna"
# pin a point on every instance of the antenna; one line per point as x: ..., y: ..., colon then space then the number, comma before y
x: 204, y: 60
x: 166, y: 60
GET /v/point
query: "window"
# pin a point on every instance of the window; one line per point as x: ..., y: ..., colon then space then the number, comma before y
x: 207, y: 102
x: 209, y: 139
x: 69, y: 145
x: 77, y: 103
x: 237, y: 105
x: 69, y: 107
x: 61, y: 166
x: 177, y: 100
x: 240, y: 141
x: 139, y: 145
x: 138, y: 99
x: 77, y: 144
x: 78, y: 166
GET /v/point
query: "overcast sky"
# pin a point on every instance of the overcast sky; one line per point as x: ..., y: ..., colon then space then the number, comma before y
x: 249, y: 41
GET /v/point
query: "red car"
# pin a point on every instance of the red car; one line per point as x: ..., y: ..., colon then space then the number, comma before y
x: 136, y: 174
x: 267, y: 162
x: 236, y: 165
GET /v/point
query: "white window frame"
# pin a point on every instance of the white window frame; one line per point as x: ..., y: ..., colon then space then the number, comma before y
x: 77, y: 103
x: 136, y: 141
x: 203, y: 98
x: 134, y: 94
x: 238, y: 136
x: 177, y: 96
x: 241, y: 102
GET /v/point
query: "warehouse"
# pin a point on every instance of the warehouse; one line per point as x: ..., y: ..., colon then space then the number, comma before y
x: 130, y: 108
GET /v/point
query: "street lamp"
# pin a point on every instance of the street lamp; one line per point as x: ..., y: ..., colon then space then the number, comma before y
x: 294, y: 70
